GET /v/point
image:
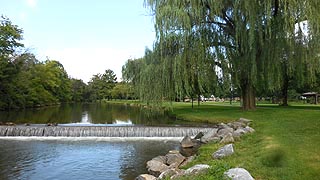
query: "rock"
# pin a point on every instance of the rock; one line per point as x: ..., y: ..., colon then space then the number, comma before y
x: 223, y: 132
x: 245, y: 121
x: 236, y: 125
x: 52, y: 124
x: 174, y: 159
x: 10, y: 124
x: 199, y: 135
x: 156, y: 167
x: 249, y: 129
x: 209, y: 136
x: 187, y: 160
x: 238, y: 174
x: 238, y: 133
x: 161, y: 159
x: 187, y: 142
x: 223, y: 126
x: 226, y: 150
x: 186, y: 152
x: 199, y: 168
x: 145, y: 177
x: 227, y: 139
x: 168, y: 173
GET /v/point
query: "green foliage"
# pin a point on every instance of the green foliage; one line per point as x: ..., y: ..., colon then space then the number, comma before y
x: 78, y: 89
x: 101, y: 85
x: 259, y: 44
x: 122, y: 91
x: 24, y: 81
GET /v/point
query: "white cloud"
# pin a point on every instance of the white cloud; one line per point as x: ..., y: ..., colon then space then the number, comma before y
x: 83, y: 63
x: 31, y: 3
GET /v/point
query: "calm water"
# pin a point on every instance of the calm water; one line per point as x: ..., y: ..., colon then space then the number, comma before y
x: 98, y: 114
x: 74, y: 158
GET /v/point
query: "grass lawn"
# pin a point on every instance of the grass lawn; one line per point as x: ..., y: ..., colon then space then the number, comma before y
x: 285, y: 146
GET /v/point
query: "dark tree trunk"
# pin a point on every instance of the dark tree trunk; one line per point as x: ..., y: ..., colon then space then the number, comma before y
x: 248, y: 96
x: 192, y: 101
x: 285, y: 87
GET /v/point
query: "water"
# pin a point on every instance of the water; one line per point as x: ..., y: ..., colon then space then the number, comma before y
x: 85, y: 114
x: 76, y: 158
x: 108, y: 158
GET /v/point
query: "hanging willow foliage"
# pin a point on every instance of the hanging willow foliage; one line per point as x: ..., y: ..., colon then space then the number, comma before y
x: 259, y: 42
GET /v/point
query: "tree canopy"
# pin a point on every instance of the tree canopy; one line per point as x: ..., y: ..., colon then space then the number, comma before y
x: 254, y: 44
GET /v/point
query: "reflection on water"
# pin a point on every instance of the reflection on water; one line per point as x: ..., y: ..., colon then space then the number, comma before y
x: 82, y: 114
x: 77, y: 159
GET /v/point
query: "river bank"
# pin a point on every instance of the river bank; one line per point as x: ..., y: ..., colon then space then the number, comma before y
x: 285, y: 145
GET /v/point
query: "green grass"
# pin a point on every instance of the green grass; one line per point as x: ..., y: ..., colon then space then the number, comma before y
x: 285, y: 146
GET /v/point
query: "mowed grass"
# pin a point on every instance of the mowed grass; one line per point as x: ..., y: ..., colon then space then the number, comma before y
x: 285, y: 146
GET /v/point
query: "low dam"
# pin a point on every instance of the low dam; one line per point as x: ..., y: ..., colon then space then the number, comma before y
x: 100, y: 131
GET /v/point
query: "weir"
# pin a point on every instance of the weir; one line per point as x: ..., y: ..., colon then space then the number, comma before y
x: 100, y: 131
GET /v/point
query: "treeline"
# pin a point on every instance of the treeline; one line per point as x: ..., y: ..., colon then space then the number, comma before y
x: 27, y: 82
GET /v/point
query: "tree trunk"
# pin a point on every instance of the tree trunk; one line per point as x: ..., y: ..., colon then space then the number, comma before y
x: 248, y: 96
x: 192, y: 101
x: 285, y: 91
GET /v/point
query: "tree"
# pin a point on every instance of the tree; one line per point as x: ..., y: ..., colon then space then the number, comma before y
x: 10, y: 35
x: 253, y: 39
x: 78, y: 88
x: 101, y: 85
x: 121, y: 91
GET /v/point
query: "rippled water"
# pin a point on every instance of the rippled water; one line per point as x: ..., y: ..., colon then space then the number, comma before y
x: 75, y: 158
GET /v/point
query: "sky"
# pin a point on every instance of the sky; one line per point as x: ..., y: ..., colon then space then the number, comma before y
x: 86, y: 36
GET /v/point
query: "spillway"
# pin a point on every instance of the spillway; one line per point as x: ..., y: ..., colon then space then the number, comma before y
x: 100, y: 131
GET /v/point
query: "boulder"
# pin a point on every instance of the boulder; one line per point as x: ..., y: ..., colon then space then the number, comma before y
x: 224, y: 131
x: 187, y: 160
x: 189, y: 151
x: 199, y: 135
x: 238, y: 133
x: 10, y: 124
x: 145, y: 177
x: 228, y: 138
x: 199, y: 168
x: 249, y: 129
x: 238, y: 174
x: 226, y: 150
x: 209, y: 136
x: 236, y: 125
x: 245, y: 121
x: 187, y: 142
x: 168, y: 174
x: 174, y: 159
x: 161, y: 159
x: 223, y: 126
x: 156, y: 167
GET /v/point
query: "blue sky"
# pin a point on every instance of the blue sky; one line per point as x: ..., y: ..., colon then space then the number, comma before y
x: 86, y: 36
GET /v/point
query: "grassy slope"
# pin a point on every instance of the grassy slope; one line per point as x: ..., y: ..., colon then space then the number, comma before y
x: 286, y: 144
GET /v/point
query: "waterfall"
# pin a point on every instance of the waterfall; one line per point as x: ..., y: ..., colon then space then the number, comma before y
x: 100, y: 131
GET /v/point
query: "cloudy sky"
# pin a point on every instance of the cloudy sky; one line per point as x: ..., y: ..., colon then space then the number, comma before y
x: 86, y: 36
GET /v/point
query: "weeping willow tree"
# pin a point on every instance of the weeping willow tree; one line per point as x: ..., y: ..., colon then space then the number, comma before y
x: 171, y: 71
x: 256, y: 41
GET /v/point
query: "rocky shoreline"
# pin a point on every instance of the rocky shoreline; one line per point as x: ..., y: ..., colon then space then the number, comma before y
x: 169, y: 165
